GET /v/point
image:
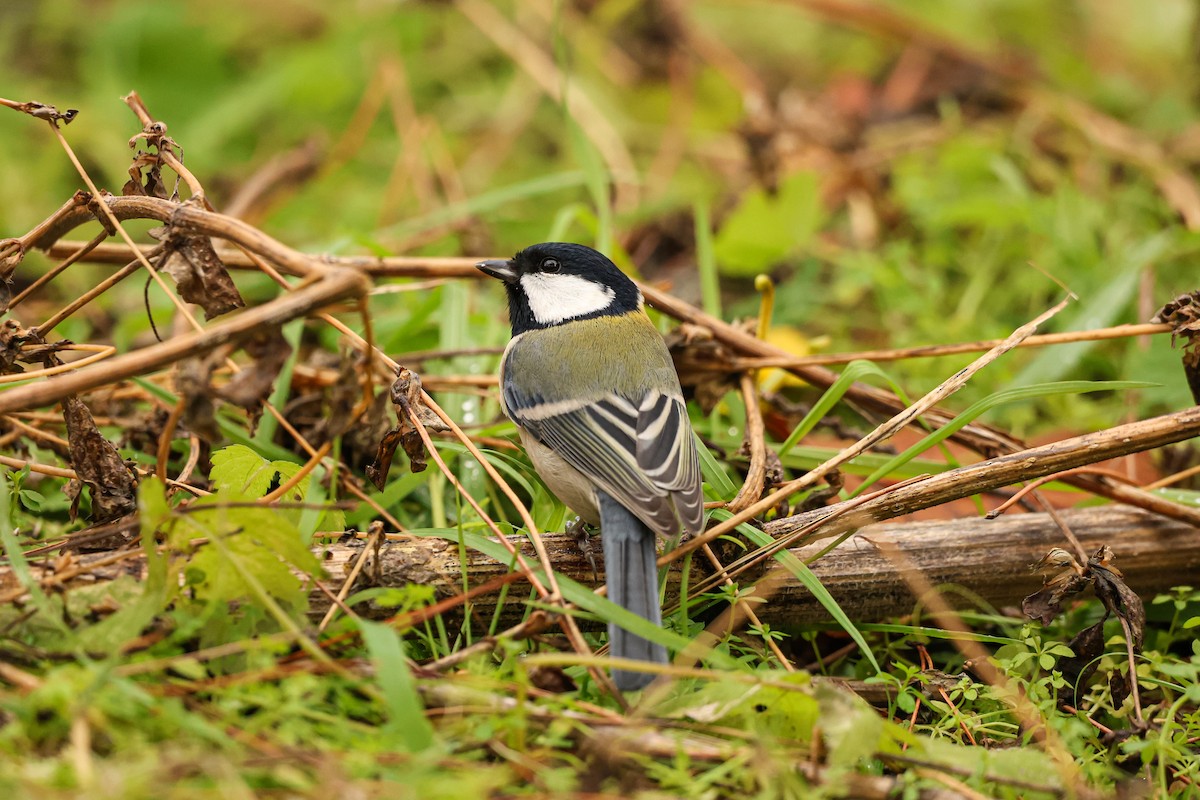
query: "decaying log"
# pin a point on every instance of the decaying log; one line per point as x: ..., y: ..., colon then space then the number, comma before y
x: 990, y: 560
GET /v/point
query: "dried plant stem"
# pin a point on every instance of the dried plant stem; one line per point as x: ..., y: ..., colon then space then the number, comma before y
x: 164, y: 440
x: 99, y: 353
x: 58, y: 269
x: 1182, y: 475
x: 371, y: 547
x: 1033, y: 485
x: 747, y: 609
x: 87, y: 297
x: 179, y: 304
x: 881, y: 433
x: 790, y: 538
x: 337, y: 285
x: 41, y: 469
x: 936, y: 350
x: 1005, y: 470
x: 306, y: 468
x: 530, y: 575
x: 755, y: 438
x: 134, y: 101
x: 37, y: 433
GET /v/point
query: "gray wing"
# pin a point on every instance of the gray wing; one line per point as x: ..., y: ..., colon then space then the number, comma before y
x: 643, y: 455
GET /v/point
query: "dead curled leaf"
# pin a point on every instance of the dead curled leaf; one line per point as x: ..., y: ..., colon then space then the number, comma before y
x: 248, y: 388
x: 47, y: 112
x: 98, y: 465
x: 1067, y: 577
x: 198, y: 271
x: 149, y: 184
x: 27, y: 346
x: 360, y: 434
x: 12, y: 252
x: 193, y: 384
x: 701, y: 362
x: 406, y: 395
x: 251, y: 387
x: 1184, y: 314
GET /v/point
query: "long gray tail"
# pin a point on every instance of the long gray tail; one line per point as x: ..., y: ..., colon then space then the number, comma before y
x: 632, y: 584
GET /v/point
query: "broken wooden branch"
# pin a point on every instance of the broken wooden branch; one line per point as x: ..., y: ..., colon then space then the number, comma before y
x: 989, y: 560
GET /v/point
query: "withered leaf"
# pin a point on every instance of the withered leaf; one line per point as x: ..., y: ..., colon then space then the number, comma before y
x: 104, y: 537
x: 12, y: 338
x: 151, y: 184
x: 405, y: 394
x: 1087, y: 645
x: 360, y: 434
x: 1069, y: 578
x: 1119, y: 600
x: 551, y: 679
x: 251, y: 387
x: 1064, y: 578
x: 193, y: 384
x: 98, y: 464
x: 1184, y: 314
x: 200, y: 274
x: 48, y: 112
x: 18, y: 344
x: 379, y: 470
x: 12, y: 252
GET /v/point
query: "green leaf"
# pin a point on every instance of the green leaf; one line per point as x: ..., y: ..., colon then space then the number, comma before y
x: 762, y: 230
x: 253, y: 562
x: 406, y: 716
x: 239, y: 469
x: 584, y: 598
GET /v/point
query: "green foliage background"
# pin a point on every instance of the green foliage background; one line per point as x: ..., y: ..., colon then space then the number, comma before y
x: 433, y: 141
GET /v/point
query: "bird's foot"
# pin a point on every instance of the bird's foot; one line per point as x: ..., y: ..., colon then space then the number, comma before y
x: 583, y: 532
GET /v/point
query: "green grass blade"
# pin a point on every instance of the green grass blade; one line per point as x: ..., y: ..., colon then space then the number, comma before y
x: 854, y: 371
x: 1096, y: 311
x: 584, y: 598
x: 714, y: 473
x: 406, y: 716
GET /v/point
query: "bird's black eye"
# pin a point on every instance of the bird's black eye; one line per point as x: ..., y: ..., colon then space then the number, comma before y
x: 550, y: 265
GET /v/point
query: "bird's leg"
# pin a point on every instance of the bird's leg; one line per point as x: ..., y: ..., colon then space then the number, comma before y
x: 583, y: 533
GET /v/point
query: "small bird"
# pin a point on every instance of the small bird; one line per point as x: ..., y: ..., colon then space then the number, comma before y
x: 593, y: 392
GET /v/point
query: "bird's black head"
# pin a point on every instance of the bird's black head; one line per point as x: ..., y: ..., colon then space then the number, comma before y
x: 555, y: 282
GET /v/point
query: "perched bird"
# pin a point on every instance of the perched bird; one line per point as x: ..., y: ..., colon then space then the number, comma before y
x: 590, y: 385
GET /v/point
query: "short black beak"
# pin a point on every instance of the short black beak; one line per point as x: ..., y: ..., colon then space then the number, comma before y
x: 499, y: 268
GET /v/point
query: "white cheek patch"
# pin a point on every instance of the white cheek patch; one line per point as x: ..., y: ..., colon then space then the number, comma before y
x: 554, y: 298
